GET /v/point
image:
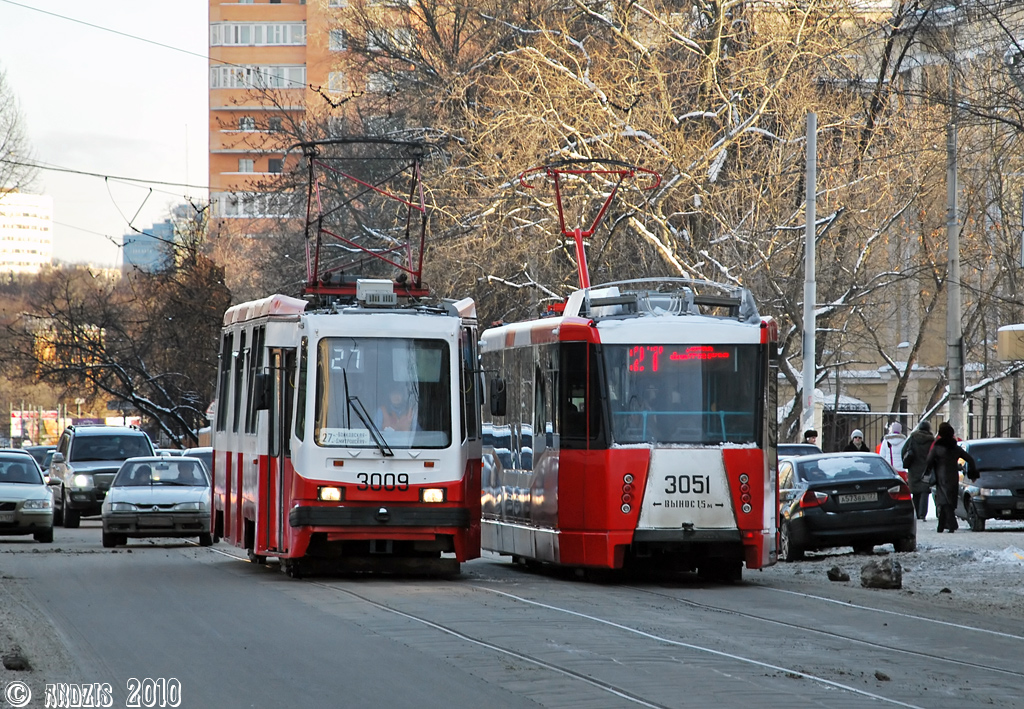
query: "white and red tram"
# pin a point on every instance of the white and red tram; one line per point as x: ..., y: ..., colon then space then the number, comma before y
x: 634, y: 427
x: 348, y: 436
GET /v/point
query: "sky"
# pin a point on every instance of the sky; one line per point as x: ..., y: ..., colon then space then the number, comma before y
x: 100, y: 102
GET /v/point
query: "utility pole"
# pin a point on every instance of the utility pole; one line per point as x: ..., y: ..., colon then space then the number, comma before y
x: 810, y: 287
x: 954, y: 326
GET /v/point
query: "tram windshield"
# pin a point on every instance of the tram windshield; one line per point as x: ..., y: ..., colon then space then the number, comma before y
x: 690, y: 394
x: 395, y: 389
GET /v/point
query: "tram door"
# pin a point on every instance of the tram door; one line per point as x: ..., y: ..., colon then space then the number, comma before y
x: 282, y: 366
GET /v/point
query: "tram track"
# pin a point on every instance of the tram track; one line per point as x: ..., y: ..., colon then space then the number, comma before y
x: 612, y: 689
x: 803, y: 628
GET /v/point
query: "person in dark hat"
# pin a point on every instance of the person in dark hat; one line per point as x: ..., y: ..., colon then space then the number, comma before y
x: 942, y: 460
x: 811, y: 437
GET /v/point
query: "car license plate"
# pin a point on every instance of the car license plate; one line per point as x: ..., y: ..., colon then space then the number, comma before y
x: 155, y: 521
x: 858, y: 497
x: 6, y: 516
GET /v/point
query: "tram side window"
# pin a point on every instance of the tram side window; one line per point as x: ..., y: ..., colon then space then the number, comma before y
x: 300, y: 393
x: 470, y: 397
x: 239, y: 368
x: 225, y: 380
x: 254, y: 365
x: 578, y: 406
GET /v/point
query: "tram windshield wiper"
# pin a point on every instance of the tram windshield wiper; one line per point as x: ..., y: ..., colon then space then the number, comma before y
x: 352, y: 403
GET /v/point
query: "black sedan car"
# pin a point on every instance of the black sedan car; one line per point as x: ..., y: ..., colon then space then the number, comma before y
x: 843, y: 499
x: 785, y: 450
x: 998, y: 493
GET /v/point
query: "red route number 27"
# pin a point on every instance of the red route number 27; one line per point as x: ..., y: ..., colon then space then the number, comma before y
x: 642, y: 359
x: 645, y: 359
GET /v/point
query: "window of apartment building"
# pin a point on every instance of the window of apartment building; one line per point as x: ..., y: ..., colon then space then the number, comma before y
x: 336, y: 82
x: 275, y: 165
x: 336, y: 41
x: 256, y: 34
x: 379, y: 40
x: 246, y: 123
x: 376, y: 39
x: 275, y: 76
x: 245, y: 165
x: 379, y: 83
x: 337, y: 3
x: 274, y: 125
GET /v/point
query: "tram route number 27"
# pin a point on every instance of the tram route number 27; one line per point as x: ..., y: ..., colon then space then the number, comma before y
x: 687, y: 484
x: 383, y: 481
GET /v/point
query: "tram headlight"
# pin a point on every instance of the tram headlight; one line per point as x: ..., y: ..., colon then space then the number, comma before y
x: 433, y: 494
x: 329, y: 493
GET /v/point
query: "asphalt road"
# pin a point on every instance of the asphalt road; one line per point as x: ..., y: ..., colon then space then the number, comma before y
x: 238, y: 635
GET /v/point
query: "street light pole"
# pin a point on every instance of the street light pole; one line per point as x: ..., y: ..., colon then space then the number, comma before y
x: 954, y: 326
x: 810, y: 283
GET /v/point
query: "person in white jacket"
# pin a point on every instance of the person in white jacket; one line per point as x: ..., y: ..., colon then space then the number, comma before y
x: 891, y: 448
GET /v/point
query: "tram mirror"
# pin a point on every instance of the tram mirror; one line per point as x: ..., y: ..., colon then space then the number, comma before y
x: 497, y: 397
x: 261, y: 392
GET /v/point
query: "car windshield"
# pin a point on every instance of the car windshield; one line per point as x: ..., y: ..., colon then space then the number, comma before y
x: 19, y: 470
x: 843, y: 468
x: 684, y: 393
x: 999, y: 456
x: 205, y: 456
x: 109, y: 447
x: 169, y: 471
x: 798, y: 449
x: 398, y: 389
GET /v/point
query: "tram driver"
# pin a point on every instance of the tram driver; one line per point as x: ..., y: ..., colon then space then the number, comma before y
x: 398, y: 411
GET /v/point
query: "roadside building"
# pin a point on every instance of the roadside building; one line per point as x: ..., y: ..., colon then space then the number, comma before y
x: 26, y: 232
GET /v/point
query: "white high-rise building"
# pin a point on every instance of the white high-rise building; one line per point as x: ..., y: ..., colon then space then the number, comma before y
x: 26, y: 232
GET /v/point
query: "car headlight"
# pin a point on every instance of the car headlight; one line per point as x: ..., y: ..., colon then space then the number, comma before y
x: 190, y: 506
x: 995, y: 492
x: 38, y: 504
x: 122, y: 507
x: 81, y: 481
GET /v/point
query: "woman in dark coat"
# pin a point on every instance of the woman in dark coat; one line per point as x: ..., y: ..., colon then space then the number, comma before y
x: 942, y: 460
x: 915, y: 456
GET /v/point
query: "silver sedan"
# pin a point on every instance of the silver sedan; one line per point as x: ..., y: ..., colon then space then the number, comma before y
x: 26, y: 502
x: 159, y: 496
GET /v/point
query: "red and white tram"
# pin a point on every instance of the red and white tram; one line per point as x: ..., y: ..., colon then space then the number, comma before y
x: 346, y: 432
x: 635, y: 427
x: 348, y: 437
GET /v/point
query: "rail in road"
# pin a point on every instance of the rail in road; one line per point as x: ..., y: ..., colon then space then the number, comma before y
x: 532, y: 638
x: 685, y: 644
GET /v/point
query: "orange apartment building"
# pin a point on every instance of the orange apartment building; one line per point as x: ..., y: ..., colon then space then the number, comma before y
x: 264, y: 56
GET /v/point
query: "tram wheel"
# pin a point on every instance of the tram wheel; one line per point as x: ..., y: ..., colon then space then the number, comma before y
x: 292, y: 568
x: 255, y: 558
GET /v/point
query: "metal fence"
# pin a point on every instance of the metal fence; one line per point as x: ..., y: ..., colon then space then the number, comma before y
x: 874, y: 425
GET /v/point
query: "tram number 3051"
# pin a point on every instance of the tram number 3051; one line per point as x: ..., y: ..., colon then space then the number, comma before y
x: 383, y: 481
x: 687, y: 484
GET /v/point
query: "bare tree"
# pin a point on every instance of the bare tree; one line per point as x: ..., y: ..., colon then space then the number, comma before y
x: 16, y: 171
x: 148, y: 340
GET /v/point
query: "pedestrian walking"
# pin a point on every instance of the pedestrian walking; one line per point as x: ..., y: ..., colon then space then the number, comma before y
x: 942, y: 462
x: 915, y: 457
x: 811, y: 437
x: 891, y: 448
x: 856, y: 442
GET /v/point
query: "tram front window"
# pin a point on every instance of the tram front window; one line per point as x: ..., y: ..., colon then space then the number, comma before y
x: 397, y: 388
x: 687, y: 394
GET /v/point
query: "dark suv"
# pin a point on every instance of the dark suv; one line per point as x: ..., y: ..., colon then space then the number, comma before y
x: 86, y: 460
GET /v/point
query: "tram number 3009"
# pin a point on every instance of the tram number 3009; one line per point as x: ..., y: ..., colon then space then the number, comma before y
x: 383, y: 481
x: 687, y: 484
